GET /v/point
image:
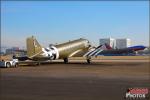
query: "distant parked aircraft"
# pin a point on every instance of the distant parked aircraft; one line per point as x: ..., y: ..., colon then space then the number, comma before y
x: 123, y: 51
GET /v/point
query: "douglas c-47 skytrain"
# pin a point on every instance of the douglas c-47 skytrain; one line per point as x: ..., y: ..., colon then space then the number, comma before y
x: 75, y: 48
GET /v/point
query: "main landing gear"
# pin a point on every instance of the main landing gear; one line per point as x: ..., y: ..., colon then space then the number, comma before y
x: 88, y: 60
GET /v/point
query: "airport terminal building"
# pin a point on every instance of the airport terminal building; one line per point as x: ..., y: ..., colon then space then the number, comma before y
x: 123, y: 43
x: 109, y: 41
x: 116, y: 43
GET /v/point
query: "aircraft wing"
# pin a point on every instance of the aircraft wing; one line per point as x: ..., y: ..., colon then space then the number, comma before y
x: 89, y: 52
x: 94, y: 51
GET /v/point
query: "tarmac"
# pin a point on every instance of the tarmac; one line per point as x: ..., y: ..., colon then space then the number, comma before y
x: 77, y: 80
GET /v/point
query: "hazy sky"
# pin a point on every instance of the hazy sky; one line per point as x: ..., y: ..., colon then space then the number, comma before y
x: 57, y: 22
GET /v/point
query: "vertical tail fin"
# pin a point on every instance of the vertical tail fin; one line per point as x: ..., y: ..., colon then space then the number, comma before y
x: 108, y: 46
x: 33, y: 47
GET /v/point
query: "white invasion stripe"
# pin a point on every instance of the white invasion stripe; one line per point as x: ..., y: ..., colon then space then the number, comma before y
x: 88, y: 53
x: 93, y: 52
x: 103, y: 47
x: 98, y: 52
x: 56, y: 50
x: 100, y: 49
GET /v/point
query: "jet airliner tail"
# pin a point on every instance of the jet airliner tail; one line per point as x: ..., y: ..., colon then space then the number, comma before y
x: 108, y: 46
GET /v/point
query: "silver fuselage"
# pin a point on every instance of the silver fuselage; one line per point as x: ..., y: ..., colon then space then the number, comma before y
x: 69, y: 49
x: 72, y: 48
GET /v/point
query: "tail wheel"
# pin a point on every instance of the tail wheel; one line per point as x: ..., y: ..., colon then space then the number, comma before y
x: 65, y: 60
x: 16, y: 65
x: 38, y: 63
x: 8, y: 64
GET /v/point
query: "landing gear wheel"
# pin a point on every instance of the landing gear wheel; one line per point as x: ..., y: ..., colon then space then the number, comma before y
x: 88, y: 61
x: 16, y: 65
x: 65, y: 60
x: 38, y: 64
x: 8, y: 65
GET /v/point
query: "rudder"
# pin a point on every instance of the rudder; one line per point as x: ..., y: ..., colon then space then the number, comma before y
x: 33, y: 47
